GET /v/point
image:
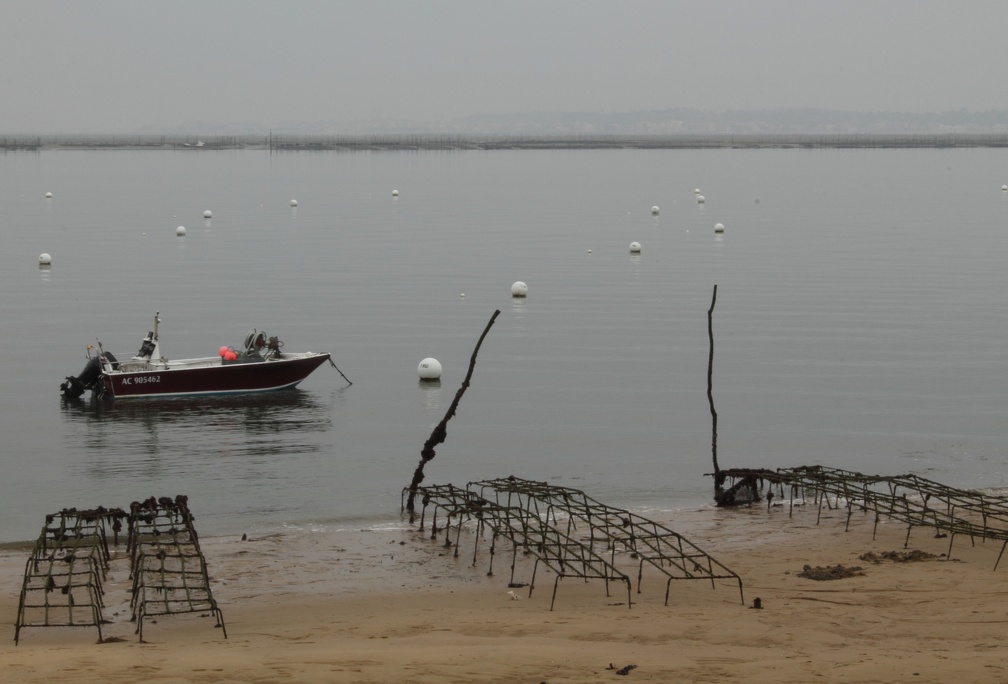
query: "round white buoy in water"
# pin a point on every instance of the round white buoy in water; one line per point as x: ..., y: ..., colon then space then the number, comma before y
x: 207, y: 214
x: 293, y: 203
x: 700, y: 199
x: 718, y: 227
x: 395, y: 193
x: 696, y: 191
x: 180, y: 231
x: 589, y: 251
x: 655, y: 210
x: 1005, y: 188
x: 635, y: 248
x: 462, y: 295
x: 48, y: 195
x: 44, y: 259
x: 429, y: 369
x: 519, y: 289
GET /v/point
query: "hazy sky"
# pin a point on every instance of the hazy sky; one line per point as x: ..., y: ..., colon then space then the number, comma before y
x: 122, y: 66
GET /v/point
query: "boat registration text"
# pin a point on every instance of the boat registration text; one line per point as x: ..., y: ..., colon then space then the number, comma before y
x: 141, y: 380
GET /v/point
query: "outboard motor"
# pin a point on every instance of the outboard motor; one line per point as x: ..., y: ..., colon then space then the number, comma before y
x: 88, y: 379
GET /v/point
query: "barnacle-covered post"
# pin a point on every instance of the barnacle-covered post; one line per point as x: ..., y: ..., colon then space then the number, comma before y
x: 719, y: 478
x: 441, y: 430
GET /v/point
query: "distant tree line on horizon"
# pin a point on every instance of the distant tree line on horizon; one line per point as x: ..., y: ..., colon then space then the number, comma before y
x: 458, y: 142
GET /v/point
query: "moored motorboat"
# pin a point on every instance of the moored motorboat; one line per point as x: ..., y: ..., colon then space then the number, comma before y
x: 259, y: 366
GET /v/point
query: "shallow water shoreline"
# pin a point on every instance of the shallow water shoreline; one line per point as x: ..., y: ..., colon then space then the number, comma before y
x: 395, y: 605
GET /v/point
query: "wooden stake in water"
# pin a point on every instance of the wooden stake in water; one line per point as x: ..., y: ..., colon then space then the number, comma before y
x: 441, y: 430
x: 718, y: 477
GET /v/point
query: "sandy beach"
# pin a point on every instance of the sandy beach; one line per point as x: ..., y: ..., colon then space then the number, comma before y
x: 395, y: 606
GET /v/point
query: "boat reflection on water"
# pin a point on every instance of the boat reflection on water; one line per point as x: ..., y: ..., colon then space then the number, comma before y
x: 188, y: 434
x: 273, y: 411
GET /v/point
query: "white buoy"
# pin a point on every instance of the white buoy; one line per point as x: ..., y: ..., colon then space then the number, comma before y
x: 718, y: 227
x: 519, y: 289
x: 44, y: 259
x: 180, y: 231
x: 696, y: 191
x: 48, y: 195
x: 429, y: 369
x: 293, y: 203
x: 700, y: 199
x: 395, y: 193
x: 655, y: 210
x: 635, y: 248
x: 462, y: 295
x: 1004, y: 188
x: 207, y: 214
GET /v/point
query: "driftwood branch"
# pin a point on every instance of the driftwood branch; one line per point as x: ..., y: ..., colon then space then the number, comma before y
x: 441, y: 430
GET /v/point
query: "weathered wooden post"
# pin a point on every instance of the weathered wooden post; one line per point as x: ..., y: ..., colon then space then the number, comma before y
x: 441, y: 429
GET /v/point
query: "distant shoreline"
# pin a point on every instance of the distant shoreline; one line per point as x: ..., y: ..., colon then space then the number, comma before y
x: 451, y: 142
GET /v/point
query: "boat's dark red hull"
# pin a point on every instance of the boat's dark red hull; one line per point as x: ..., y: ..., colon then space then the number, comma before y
x: 238, y: 378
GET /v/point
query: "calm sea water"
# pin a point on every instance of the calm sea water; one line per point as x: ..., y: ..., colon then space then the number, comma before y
x: 860, y: 322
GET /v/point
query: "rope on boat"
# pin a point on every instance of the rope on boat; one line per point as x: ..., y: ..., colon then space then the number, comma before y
x: 339, y: 371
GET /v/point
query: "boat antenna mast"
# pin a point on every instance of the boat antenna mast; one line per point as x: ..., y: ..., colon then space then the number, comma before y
x: 156, y: 321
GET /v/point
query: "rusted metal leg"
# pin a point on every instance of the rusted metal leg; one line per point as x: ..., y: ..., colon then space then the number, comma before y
x: 493, y: 552
x: 479, y: 529
x: 1000, y: 554
x: 447, y: 533
x: 220, y: 621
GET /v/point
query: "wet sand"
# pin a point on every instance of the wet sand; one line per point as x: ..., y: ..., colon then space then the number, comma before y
x: 395, y: 606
